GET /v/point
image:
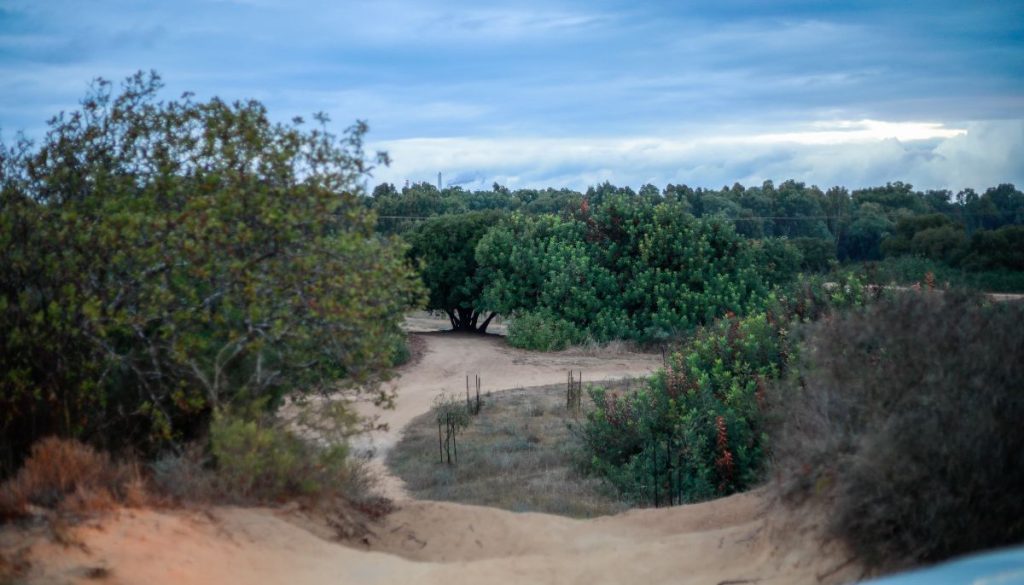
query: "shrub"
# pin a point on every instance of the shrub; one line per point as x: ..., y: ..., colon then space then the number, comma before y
x: 624, y: 268
x: 540, y: 330
x: 779, y: 259
x: 703, y: 415
x: 818, y: 253
x: 66, y: 474
x: 697, y: 429
x: 211, y: 255
x: 908, y: 270
x: 908, y: 415
x: 259, y: 459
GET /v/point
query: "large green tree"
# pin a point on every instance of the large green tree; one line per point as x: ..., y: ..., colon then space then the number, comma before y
x: 161, y: 259
x: 445, y: 248
x: 624, y: 268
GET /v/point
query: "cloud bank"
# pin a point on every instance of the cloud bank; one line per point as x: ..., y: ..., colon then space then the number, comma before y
x: 865, y: 153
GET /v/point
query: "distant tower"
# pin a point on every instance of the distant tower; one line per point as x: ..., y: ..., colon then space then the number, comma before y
x: 438, y: 181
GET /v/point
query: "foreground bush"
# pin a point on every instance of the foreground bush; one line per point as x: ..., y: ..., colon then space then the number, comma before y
x: 252, y: 457
x: 160, y: 260
x: 908, y: 416
x: 71, y: 476
x: 697, y: 430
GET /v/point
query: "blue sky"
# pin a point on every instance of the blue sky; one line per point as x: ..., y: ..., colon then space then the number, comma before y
x: 566, y: 93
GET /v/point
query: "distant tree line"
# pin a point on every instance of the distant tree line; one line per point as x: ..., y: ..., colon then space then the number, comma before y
x: 611, y: 262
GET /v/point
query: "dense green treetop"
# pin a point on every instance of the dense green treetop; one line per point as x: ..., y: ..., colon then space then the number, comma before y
x: 160, y: 259
x: 445, y: 248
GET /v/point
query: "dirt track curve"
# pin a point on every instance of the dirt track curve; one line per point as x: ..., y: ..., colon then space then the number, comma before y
x: 736, y: 540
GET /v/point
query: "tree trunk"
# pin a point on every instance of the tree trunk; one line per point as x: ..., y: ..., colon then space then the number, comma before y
x: 466, y: 319
x: 487, y: 321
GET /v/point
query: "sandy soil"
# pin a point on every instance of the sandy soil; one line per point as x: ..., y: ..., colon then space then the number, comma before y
x: 741, y: 539
x: 449, y: 357
x: 730, y: 541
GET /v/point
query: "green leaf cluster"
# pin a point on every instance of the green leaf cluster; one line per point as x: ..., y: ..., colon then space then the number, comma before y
x: 625, y: 269
x: 160, y: 259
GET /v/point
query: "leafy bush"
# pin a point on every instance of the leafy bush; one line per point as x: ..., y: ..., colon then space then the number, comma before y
x: 624, y: 269
x: 542, y: 331
x: 445, y: 249
x: 161, y: 259
x: 779, y: 260
x: 698, y: 427
x: 907, y: 414
x: 706, y: 408
x: 1001, y: 249
x: 818, y: 254
x: 257, y: 459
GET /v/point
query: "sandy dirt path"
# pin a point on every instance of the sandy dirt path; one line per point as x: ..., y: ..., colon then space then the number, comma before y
x: 736, y: 540
x: 449, y: 357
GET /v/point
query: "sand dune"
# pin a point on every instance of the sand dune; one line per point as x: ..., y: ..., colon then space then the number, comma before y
x: 741, y: 539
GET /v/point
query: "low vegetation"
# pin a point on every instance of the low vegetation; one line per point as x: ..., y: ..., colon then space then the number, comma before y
x: 72, y: 477
x: 520, y: 453
x: 904, y: 417
x: 911, y: 270
x: 167, y: 263
x: 697, y: 429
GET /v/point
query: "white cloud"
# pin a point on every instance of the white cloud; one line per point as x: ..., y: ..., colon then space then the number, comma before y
x: 849, y: 131
x: 853, y: 154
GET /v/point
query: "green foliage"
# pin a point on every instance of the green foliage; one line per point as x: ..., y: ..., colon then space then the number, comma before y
x: 906, y: 418
x: 816, y: 254
x: 779, y: 259
x: 698, y: 428
x: 258, y: 459
x: 910, y: 270
x: 933, y: 236
x: 159, y: 259
x: 706, y: 407
x: 626, y: 269
x: 1000, y: 249
x: 539, y: 330
x: 445, y: 248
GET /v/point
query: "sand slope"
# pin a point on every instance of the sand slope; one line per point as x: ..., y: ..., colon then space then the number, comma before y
x: 729, y: 541
x: 735, y: 540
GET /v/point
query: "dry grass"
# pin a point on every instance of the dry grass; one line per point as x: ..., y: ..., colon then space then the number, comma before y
x: 69, y: 476
x: 616, y: 347
x: 906, y: 419
x: 13, y: 566
x: 518, y: 454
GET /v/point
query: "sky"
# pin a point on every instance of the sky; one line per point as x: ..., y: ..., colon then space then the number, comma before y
x: 565, y: 93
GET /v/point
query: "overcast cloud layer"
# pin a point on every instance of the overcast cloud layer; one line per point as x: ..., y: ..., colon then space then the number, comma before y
x: 562, y: 93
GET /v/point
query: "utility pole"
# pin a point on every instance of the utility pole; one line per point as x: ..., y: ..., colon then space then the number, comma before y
x: 439, y: 180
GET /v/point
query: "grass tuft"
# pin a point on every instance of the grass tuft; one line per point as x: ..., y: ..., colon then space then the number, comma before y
x: 520, y: 454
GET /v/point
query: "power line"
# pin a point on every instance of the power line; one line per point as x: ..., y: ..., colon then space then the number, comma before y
x: 771, y: 217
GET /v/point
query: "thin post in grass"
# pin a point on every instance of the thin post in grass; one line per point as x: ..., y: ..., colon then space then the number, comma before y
x: 477, y: 410
x: 668, y: 468
x: 471, y: 407
x: 448, y: 437
x: 455, y: 446
x: 654, y: 468
x: 440, y: 443
x: 573, y: 392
